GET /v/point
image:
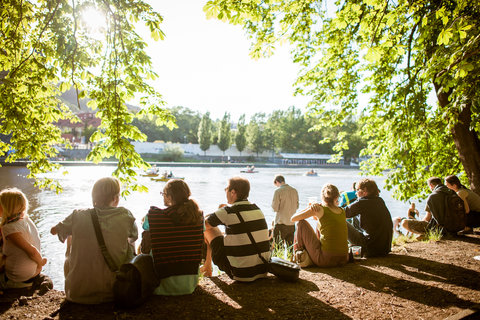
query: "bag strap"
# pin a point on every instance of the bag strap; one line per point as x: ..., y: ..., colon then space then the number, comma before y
x: 101, y: 242
x: 251, y: 238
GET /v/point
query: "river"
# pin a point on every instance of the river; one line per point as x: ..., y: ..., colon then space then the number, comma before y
x: 206, y: 184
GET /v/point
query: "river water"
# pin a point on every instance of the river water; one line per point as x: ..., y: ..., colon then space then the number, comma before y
x: 206, y: 184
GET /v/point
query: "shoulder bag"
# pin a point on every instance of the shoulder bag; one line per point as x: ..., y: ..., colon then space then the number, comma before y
x: 281, y: 268
x: 135, y: 280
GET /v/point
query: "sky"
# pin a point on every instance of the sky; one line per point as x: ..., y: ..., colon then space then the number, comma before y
x: 204, y: 65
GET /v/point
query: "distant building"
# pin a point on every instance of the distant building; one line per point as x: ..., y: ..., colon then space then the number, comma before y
x: 73, y: 132
x: 309, y: 158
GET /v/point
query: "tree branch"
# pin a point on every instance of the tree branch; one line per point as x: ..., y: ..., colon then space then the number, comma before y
x: 38, y: 40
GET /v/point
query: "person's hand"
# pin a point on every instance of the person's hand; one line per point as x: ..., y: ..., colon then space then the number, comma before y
x: 39, y: 266
x: 316, y: 207
x: 206, y: 270
x: 53, y: 231
x: 222, y: 205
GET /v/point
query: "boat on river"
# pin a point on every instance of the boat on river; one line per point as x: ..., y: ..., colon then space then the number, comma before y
x: 311, y: 173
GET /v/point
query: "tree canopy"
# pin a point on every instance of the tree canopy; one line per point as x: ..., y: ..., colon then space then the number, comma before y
x: 45, y: 48
x: 381, y: 61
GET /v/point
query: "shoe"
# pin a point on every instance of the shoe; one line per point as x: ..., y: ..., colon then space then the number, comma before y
x: 420, y: 237
x: 303, y: 259
x: 464, y: 232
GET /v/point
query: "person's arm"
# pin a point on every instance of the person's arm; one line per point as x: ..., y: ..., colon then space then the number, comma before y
x: 296, y: 195
x: 64, y: 228
x: 428, y: 216
x: 276, y: 201
x: 353, y: 209
x: 463, y: 195
x: 315, y: 210
x: 32, y: 252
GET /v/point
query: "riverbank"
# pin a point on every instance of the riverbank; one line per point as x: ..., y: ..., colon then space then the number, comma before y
x: 192, y: 164
x: 418, y: 280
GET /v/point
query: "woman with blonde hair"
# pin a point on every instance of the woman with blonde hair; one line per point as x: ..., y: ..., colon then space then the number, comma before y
x: 329, y: 247
x: 21, y: 243
x: 88, y: 278
x: 174, y: 237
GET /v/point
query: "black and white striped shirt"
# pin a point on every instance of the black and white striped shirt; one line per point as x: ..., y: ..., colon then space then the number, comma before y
x: 241, y: 253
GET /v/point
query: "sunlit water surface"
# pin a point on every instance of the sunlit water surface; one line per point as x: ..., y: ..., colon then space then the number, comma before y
x: 206, y: 184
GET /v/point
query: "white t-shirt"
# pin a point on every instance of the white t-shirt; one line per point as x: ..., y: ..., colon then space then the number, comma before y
x: 19, y: 267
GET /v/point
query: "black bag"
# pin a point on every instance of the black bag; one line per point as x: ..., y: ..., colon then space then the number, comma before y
x: 134, y: 281
x: 284, y: 269
x: 281, y: 268
x: 454, y: 213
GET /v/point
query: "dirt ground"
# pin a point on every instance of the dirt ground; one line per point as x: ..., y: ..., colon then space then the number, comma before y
x: 417, y: 280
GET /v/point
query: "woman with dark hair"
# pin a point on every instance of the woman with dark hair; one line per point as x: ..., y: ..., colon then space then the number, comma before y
x: 330, y: 247
x: 375, y: 232
x: 174, y: 237
x: 471, y: 201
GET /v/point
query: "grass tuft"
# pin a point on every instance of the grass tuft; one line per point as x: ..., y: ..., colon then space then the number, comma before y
x: 433, y: 235
x: 281, y: 250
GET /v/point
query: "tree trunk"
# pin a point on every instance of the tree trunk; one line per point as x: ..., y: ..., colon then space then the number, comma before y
x: 466, y: 141
x: 468, y: 147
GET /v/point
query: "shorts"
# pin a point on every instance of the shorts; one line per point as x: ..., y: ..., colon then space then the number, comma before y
x: 416, y: 226
x: 219, y: 256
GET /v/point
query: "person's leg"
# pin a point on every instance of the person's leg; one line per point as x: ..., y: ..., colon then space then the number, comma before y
x: 355, y: 237
x: 306, y: 239
x: 210, y: 234
x: 284, y: 233
x: 289, y: 236
x: 415, y: 226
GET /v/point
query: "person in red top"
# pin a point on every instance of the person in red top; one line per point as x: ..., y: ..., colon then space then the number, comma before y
x: 176, y: 239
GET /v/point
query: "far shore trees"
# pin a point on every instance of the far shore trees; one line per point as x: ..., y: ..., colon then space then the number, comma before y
x: 381, y: 61
x: 224, y: 134
x: 240, y: 136
x: 205, y: 133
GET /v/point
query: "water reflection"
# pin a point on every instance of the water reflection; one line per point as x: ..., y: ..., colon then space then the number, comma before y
x: 207, y: 185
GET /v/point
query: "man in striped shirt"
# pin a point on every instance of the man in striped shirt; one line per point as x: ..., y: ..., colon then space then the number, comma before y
x: 233, y: 252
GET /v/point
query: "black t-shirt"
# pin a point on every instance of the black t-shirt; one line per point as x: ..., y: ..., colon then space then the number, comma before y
x: 376, y: 220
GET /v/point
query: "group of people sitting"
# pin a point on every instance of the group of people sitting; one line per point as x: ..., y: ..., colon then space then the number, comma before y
x: 439, y: 212
x: 178, y: 236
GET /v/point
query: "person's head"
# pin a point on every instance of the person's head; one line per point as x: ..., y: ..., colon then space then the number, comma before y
x: 238, y: 189
x: 412, y: 205
x: 330, y: 195
x: 13, y: 202
x: 279, y: 180
x: 367, y: 187
x: 177, y: 193
x: 106, y: 192
x: 453, y: 183
x: 433, y: 182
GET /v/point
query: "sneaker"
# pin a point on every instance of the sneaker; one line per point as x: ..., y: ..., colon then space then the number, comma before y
x: 465, y: 231
x: 303, y: 259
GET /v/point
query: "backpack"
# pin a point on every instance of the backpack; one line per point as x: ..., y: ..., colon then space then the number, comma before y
x: 454, y: 213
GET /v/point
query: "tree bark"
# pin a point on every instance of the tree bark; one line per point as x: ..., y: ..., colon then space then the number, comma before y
x: 466, y: 141
x: 468, y: 147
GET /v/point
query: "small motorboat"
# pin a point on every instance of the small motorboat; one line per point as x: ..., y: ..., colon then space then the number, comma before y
x: 311, y: 173
x: 249, y: 169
